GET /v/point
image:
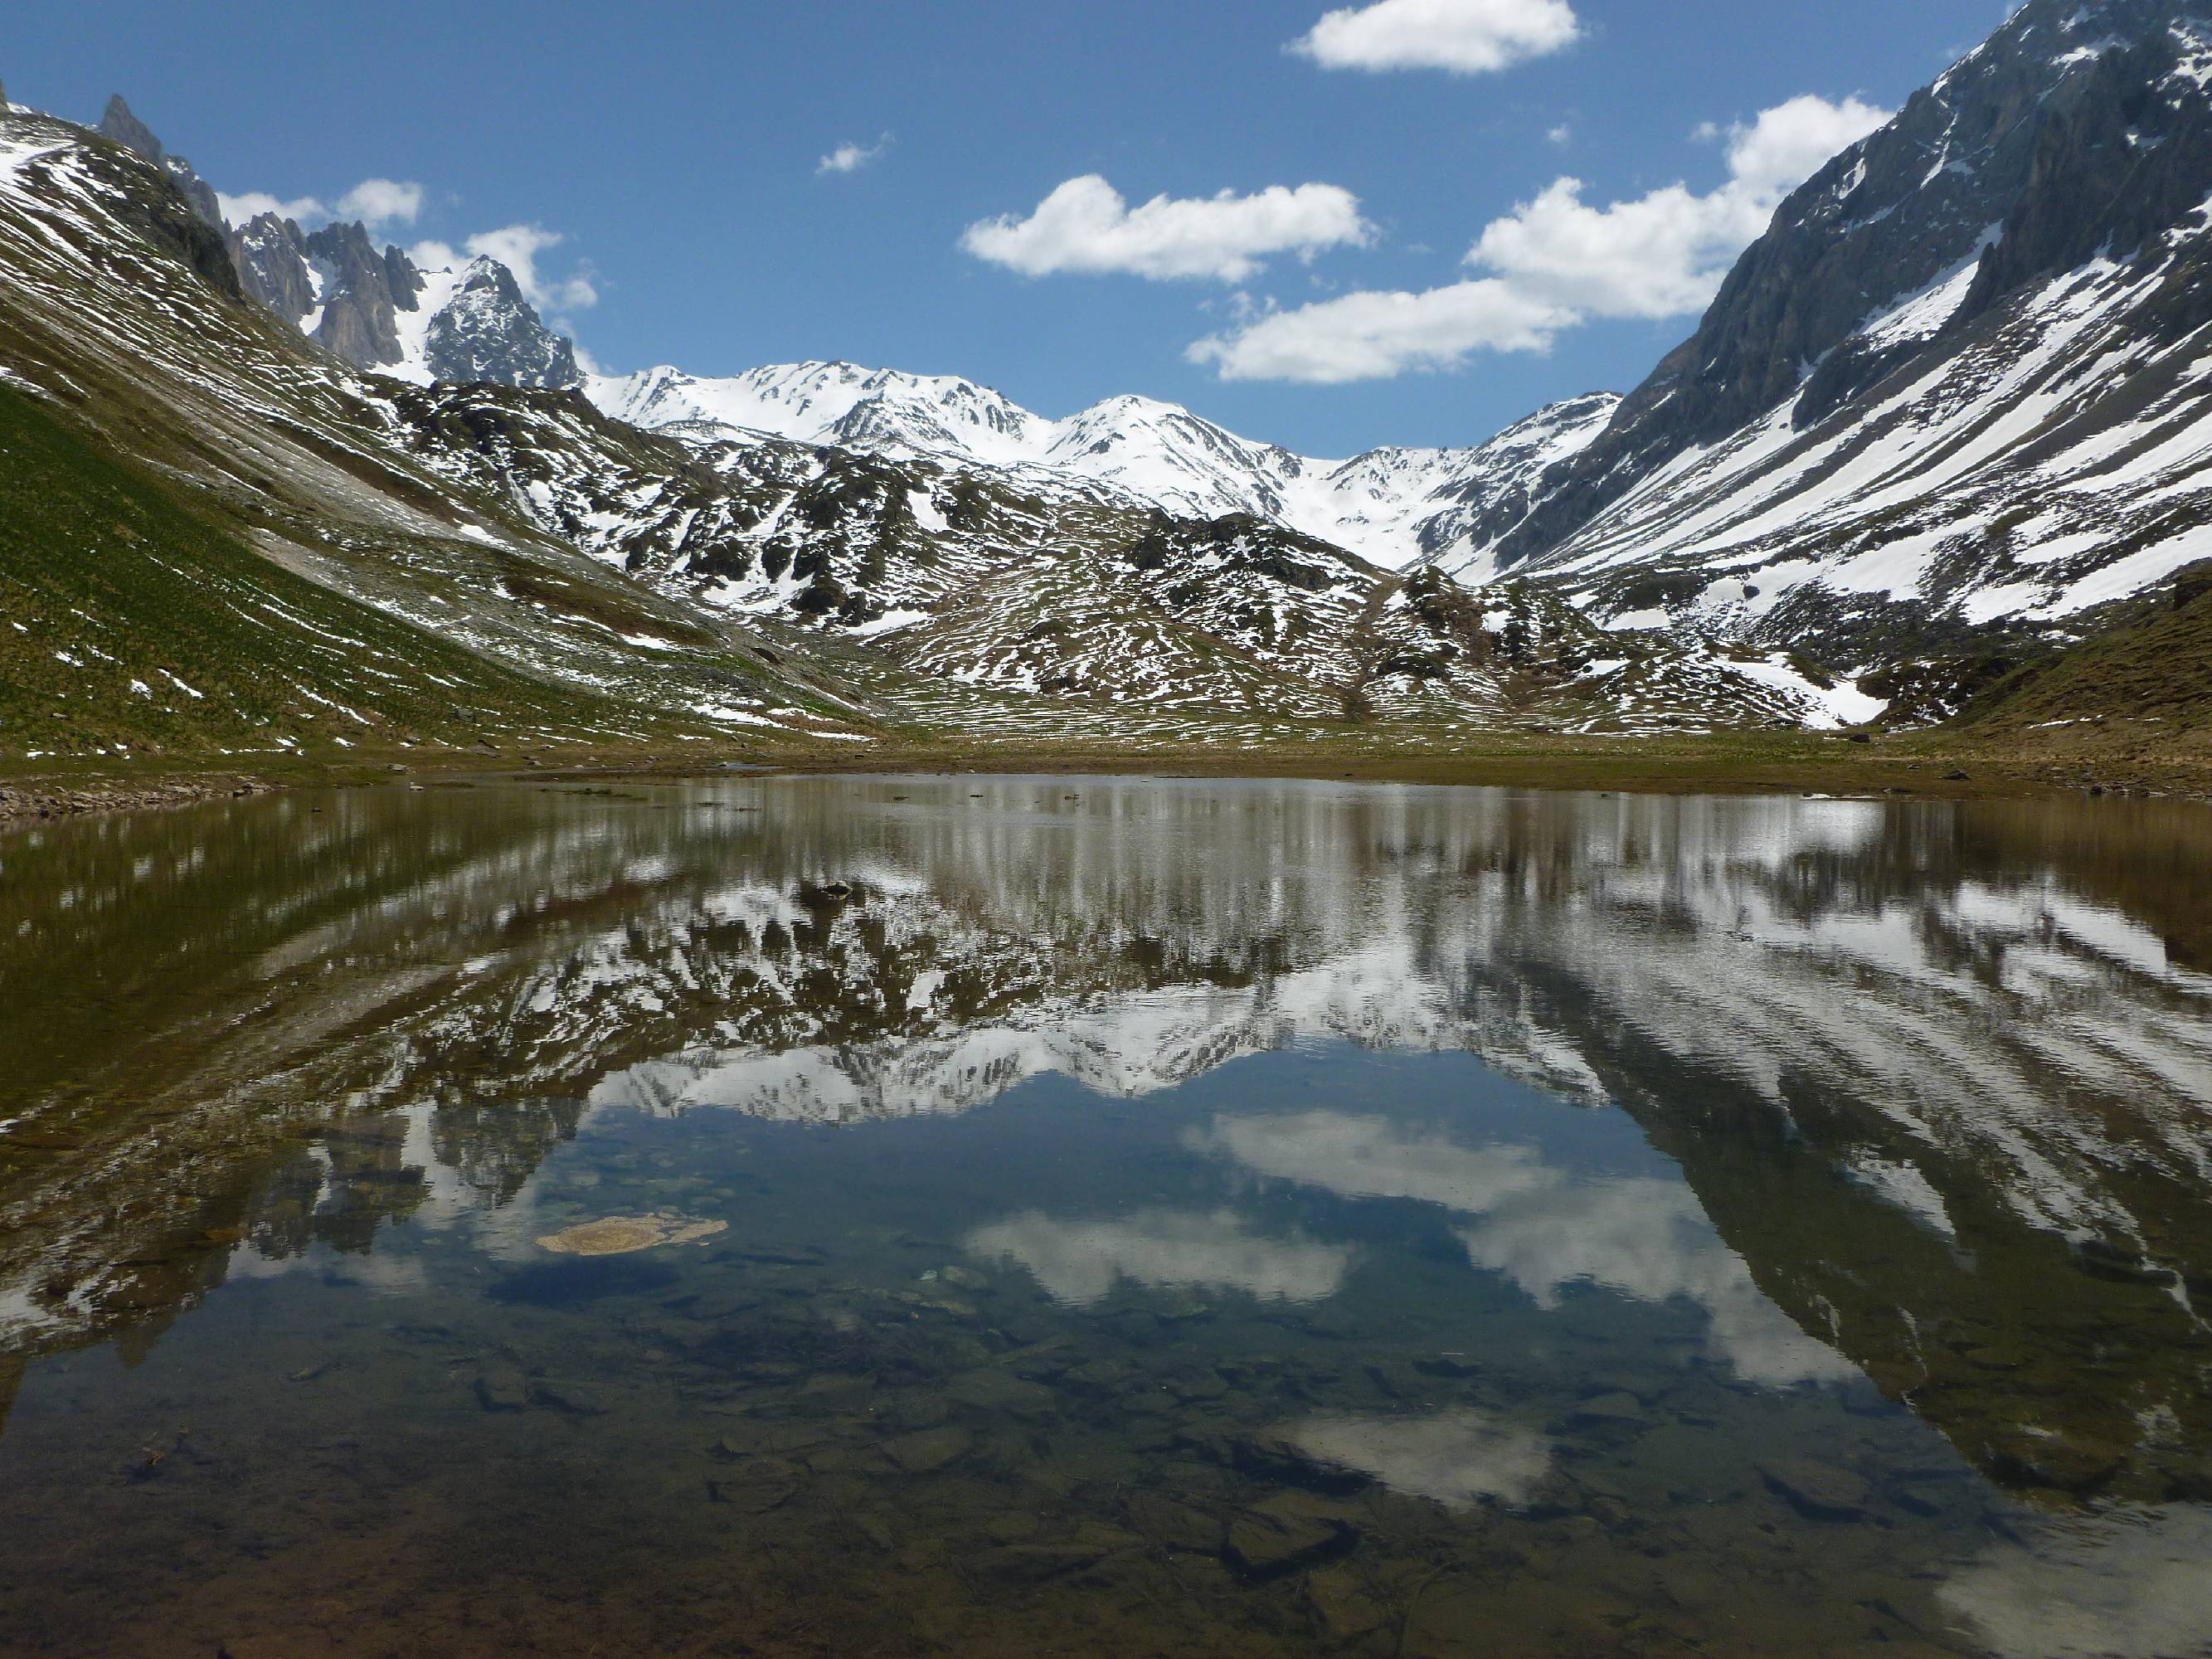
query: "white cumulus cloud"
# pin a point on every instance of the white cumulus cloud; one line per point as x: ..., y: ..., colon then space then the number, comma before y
x: 381, y: 202
x: 1557, y: 261
x: 517, y: 248
x: 851, y: 158
x: 1372, y: 336
x: 1467, y: 37
x: 1085, y: 226
x: 374, y: 202
x: 253, y: 203
x: 1665, y: 254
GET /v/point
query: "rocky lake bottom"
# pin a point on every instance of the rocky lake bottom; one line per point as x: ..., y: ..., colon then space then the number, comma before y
x: 1022, y: 1216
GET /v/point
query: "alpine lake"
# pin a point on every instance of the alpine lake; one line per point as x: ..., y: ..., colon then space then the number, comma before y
x: 1023, y: 1216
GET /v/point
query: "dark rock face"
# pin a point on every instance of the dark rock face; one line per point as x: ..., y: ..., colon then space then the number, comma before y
x: 271, y: 256
x: 488, y: 332
x: 2060, y: 136
x: 361, y: 290
x: 360, y: 300
x: 119, y: 125
x: 197, y: 190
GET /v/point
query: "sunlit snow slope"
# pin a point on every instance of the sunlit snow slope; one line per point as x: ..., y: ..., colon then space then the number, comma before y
x: 1393, y: 507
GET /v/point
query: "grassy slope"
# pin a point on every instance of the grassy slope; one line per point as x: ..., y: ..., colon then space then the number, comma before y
x: 2136, y: 698
x: 140, y: 566
x: 110, y: 584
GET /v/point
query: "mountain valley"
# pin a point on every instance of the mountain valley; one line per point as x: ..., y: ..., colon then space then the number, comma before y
x: 1933, y: 461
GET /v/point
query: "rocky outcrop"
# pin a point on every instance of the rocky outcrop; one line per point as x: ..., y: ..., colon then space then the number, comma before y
x: 489, y: 332
x: 348, y: 297
x: 119, y: 125
x: 360, y: 301
x: 332, y: 283
x: 271, y: 256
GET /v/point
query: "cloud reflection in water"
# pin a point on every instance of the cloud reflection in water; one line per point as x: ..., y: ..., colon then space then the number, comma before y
x: 1543, y: 1226
x: 1457, y: 1458
x: 1079, y: 1262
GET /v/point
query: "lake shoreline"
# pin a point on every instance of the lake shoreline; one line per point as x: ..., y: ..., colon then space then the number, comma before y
x: 1720, y: 765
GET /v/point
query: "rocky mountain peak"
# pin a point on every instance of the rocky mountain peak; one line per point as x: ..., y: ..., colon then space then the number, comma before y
x: 371, y: 307
x: 489, y: 331
x: 2038, y: 148
x: 332, y: 284
x: 118, y: 126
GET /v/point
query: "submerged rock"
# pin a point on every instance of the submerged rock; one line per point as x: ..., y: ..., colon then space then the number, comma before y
x: 620, y: 1235
x: 502, y: 1388
x: 1818, y: 1490
x: 928, y: 1451
x: 1174, y: 1524
x: 1620, y: 1406
x: 993, y: 1391
x: 1287, y: 1534
x: 1344, y: 1608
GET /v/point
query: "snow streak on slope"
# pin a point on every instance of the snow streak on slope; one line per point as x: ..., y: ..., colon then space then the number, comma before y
x: 2048, y: 461
x: 1961, y: 381
x: 1393, y: 507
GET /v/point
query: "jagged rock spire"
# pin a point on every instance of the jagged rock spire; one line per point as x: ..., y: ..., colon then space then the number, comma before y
x: 120, y: 124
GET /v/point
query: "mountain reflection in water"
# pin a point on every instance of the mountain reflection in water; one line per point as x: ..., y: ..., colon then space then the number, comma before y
x: 1912, y: 1100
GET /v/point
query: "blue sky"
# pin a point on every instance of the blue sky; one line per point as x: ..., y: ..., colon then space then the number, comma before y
x: 676, y: 149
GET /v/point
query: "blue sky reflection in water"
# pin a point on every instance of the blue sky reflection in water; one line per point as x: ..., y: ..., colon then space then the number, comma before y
x: 1177, y: 1218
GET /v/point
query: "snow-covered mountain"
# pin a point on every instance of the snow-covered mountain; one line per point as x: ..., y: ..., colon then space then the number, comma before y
x: 1961, y: 382
x: 1958, y: 389
x: 1941, y: 418
x: 1048, y: 592
x: 1396, y: 507
x: 465, y: 321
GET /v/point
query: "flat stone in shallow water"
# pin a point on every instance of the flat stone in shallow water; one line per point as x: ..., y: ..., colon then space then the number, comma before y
x: 928, y: 1451
x: 991, y: 1390
x: 1819, y: 1490
x: 620, y: 1235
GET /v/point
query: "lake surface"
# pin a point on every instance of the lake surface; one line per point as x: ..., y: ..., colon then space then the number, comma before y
x: 1106, y: 1217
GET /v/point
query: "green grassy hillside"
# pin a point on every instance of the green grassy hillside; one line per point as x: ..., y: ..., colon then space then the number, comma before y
x: 128, y: 622
x: 2140, y: 689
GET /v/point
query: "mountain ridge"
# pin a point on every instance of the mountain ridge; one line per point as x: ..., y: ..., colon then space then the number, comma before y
x: 1922, y: 437
x: 1395, y: 506
x: 1915, y: 411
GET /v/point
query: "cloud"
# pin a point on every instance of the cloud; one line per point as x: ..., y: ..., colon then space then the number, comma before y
x: 381, y: 202
x: 1557, y: 261
x: 1373, y: 335
x: 517, y: 248
x: 374, y: 202
x: 1650, y: 1240
x: 1368, y: 1157
x: 851, y: 158
x: 2132, y: 1582
x: 1542, y: 1225
x: 1079, y: 1262
x: 1467, y: 37
x: 1665, y: 253
x: 241, y: 209
x: 1085, y: 226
